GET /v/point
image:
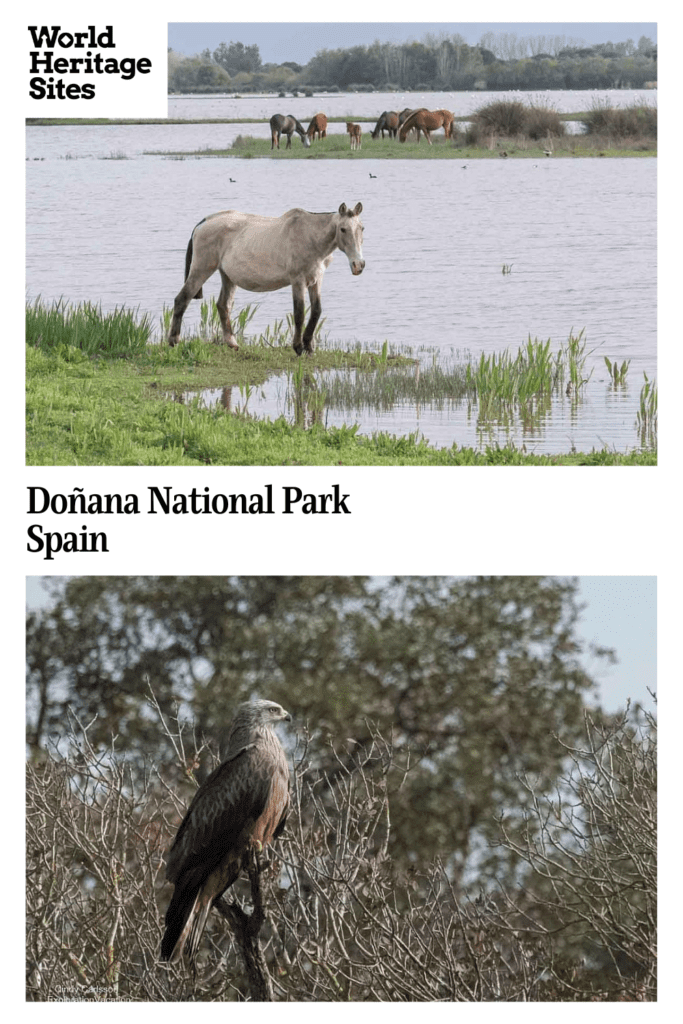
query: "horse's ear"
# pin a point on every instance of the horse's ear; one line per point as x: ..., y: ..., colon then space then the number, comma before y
x: 359, y: 209
x: 342, y: 209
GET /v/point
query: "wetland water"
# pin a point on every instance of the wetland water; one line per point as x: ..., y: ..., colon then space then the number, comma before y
x: 579, y: 236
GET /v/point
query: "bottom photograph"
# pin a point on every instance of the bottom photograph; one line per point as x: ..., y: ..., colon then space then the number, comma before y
x: 341, y: 788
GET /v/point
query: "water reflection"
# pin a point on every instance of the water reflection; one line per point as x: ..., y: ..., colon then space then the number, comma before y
x: 579, y: 236
x: 560, y: 421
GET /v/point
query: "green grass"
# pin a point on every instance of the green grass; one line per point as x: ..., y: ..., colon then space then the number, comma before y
x: 111, y: 404
x: 533, y: 372
x: 337, y: 147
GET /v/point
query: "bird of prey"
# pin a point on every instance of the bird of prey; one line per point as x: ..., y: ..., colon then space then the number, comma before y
x: 241, y: 807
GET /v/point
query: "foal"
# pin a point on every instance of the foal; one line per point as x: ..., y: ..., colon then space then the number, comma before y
x: 355, y: 131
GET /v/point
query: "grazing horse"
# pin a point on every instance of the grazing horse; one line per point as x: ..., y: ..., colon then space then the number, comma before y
x: 286, y: 124
x: 355, y: 131
x: 318, y: 127
x: 262, y: 254
x: 388, y: 122
x: 427, y: 121
x: 406, y: 112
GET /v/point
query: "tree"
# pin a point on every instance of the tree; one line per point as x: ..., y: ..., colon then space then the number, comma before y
x: 470, y: 676
x: 186, y: 74
x: 236, y: 57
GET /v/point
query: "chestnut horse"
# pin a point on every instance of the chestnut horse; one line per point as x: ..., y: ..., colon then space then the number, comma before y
x: 262, y: 254
x: 388, y: 122
x: 318, y: 127
x: 427, y: 121
x: 355, y: 131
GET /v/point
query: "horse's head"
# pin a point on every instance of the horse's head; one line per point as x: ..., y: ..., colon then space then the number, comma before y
x: 350, y: 236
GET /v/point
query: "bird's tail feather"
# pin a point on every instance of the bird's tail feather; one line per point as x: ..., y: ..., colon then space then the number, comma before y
x: 180, y: 921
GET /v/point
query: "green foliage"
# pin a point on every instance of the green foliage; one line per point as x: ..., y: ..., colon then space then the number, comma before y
x: 433, y: 63
x: 534, y: 372
x: 471, y: 677
x: 196, y: 74
x: 617, y: 373
x: 646, y: 417
x: 61, y: 327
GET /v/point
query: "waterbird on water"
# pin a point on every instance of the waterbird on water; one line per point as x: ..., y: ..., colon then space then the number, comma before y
x: 373, y: 175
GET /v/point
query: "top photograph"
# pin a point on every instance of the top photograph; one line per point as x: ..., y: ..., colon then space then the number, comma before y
x: 372, y: 244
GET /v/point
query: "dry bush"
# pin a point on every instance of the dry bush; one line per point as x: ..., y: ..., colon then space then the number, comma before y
x: 342, y: 922
x: 542, y: 123
x: 635, y: 122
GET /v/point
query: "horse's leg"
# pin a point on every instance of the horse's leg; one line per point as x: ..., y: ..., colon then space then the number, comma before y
x: 316, y: 309
x: 289, y: 141
x: 299, y: 314
x: 192, y: 285
x: 224, y: 307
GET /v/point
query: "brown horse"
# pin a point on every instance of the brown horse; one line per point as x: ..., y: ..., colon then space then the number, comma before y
x: 427, y: 121
x: 388, y: 122
x: 318, y: 127
x: 355, y: 131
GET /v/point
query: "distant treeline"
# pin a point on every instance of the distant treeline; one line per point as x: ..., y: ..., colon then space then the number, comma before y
x: 499, y: 62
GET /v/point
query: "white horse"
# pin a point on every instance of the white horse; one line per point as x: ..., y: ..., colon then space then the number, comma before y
x: 262, y: 254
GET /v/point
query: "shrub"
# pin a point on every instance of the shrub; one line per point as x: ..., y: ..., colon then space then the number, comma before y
x: 502, y: 117
x: 621, y: 122
x: 344, y: 921
x: 540, y: 122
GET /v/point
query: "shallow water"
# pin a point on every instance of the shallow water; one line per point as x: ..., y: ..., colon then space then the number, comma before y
x: 579, y: 236
x: 372, y: 104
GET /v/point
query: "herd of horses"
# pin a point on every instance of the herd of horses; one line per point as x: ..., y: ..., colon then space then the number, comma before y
x: 263, y: 254
x: 397, y: 124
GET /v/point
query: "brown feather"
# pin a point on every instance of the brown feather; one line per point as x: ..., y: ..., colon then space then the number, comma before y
x: 244, y: 801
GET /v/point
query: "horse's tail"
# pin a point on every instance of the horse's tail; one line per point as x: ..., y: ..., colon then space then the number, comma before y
x: 188, y: 264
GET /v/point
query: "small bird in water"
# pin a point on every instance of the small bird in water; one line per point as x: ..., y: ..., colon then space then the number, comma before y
x: 233, y: 181
x: 373, y: 175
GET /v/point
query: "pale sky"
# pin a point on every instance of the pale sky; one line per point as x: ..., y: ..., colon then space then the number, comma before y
x: 621, y: 612
x: 299, y: 41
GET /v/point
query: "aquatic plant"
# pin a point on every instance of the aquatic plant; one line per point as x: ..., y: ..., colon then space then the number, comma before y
x: 646, y: 417
x: 617, y: 373
x: 121, y: 332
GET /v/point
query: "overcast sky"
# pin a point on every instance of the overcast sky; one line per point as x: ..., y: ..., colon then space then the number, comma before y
x: 621, y: 612
x: 300, y: 41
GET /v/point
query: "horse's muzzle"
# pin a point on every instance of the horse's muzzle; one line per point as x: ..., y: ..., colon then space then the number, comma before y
x: 357, y: 267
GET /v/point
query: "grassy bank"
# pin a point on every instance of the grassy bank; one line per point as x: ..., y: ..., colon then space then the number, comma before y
x: 336, y: 147
x: 98, y: 393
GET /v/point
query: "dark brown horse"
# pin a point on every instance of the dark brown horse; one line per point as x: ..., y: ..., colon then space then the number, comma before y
x: 356, y: 132
x: 318, y: 127
x: 388, y: 122
x: 427, y: 121
x: 286, y: 124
